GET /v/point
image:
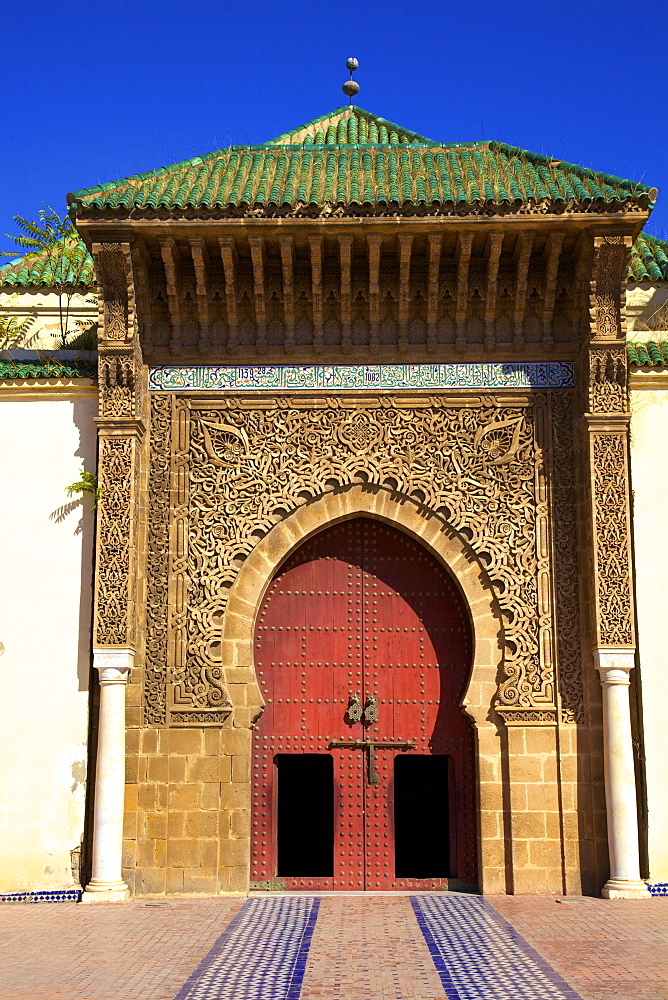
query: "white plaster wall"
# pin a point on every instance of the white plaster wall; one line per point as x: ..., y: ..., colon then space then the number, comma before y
x: 43, y: 305
x: 649, y: 481
x: 647, y: 306
x: 45, y: 611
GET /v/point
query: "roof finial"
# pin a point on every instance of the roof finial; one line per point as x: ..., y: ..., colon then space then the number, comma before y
x: 351, y: 87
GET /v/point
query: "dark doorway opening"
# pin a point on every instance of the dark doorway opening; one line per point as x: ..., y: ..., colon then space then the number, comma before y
x: 421, y: 817
x: 305, y: 815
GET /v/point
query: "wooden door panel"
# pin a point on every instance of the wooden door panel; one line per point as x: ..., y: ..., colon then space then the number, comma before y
x: 363, y: 609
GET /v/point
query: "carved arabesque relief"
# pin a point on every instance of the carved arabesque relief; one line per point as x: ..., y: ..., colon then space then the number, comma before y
x: 113, y: 625
x: 608, y: 286
x: 239, y: 466
x: 157, y: 562
x: 611, y: 529
x: 566, y: 559
x: 110, y: 262
x: 119, y: 377
x: 608, y: 379
x: 121, y: 405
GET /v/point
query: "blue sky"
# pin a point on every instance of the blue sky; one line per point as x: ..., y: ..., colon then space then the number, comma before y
x: 96, y: 91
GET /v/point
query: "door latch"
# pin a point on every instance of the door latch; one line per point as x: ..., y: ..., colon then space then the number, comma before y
x: 354, y: 708
x: 371, y: 710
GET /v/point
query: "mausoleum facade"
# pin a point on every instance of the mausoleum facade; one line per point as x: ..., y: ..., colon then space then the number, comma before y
x: 364, y: 561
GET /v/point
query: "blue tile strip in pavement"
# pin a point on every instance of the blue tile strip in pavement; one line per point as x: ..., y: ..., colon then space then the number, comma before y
x: 478, y: 954
x: 261, y: 954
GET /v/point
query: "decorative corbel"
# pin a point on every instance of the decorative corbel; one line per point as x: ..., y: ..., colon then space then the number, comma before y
x: 228, y: 254
x: 374, y: 244
x: 141, y: 260
x: 551, y: 255
x: 287, y: 245
x: 258, y: 257
x: 493, y: 254
x: 522, y: 260
x: 405, y: 246
x: 200, y: 256
x: 171, y: 261
x: 464, y: 244
x: 434, y: 244
x: 316, y: 248
x: 345, y: 257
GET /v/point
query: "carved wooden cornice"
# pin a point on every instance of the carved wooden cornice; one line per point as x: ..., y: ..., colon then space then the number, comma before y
x: 367, y: 290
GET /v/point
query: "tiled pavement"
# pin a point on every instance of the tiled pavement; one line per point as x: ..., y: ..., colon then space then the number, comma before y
x: 284, y: 947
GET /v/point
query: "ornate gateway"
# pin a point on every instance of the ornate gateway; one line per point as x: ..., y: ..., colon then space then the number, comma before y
x: 350, y: 352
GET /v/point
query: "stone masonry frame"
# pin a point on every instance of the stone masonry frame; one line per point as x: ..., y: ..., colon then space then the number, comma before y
x: 548, y: 767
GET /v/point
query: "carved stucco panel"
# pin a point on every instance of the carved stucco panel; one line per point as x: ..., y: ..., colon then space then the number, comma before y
x: 614, y: 618
x: 566, y: 591
x: 238, y: 467
x: 114, y: 622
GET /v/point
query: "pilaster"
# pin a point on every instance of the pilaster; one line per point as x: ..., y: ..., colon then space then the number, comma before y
x: 121, y: 429
x: 608, y: 562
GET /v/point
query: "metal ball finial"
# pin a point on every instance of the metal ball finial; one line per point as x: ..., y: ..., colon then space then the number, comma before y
x: 351, y: 87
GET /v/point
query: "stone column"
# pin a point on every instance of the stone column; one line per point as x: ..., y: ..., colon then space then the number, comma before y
x: 106, y: 884
x: 614, y: 667
x: 610, y: 569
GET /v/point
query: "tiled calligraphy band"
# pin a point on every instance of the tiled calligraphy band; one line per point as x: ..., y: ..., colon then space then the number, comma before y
x: 258, y: 378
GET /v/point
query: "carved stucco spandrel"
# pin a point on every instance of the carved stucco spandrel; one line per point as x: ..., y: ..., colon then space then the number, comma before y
x: 238, y: 466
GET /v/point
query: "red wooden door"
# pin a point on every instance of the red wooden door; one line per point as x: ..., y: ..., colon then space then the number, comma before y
x: 363, y: 761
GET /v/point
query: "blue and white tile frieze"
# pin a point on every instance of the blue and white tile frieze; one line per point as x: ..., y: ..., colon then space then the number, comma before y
x: 284, y: 378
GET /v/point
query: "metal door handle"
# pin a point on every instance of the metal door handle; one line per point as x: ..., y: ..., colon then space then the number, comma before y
x: 371, y: 710
x: 354, y: 708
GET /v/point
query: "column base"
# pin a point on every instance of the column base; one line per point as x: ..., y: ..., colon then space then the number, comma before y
x: 622, y: 888
x: 105, y: 892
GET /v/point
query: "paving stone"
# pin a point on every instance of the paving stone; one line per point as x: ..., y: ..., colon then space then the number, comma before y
x: 428, y: 946
x: 606, y: 949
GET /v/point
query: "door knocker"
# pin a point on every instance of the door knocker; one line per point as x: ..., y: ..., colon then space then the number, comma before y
x: 354, y: 708
x: 371, y: 710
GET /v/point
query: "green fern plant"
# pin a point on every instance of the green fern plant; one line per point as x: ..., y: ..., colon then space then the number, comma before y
x: 87, y: 484
x: 15, y: 332
x: 66, y: 262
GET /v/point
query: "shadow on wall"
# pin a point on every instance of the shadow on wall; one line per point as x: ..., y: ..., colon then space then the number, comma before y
x: 83, y: 411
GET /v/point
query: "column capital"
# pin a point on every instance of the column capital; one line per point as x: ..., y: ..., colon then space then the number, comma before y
x: 113, y: 665
x: 614, y: 665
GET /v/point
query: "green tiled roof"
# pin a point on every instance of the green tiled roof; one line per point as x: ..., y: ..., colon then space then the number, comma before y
x: 35, y: 270
x: 350, y: 126
x: 649, y: 259
x: 650, y: 354
x: 350, y: 158
x: 48, y: 369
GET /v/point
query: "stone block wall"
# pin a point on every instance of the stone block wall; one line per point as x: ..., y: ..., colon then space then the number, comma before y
x: 187, y: 818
